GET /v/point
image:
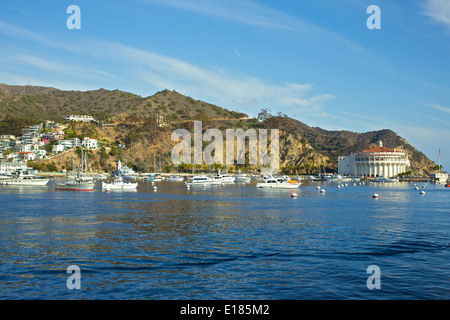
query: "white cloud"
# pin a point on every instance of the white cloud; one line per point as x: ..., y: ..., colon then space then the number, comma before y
x: 439, y: 10
x: 66, y: 68
x: 440, y: 108
x: 220, y: 86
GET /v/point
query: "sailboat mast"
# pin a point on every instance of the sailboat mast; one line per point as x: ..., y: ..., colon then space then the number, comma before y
x: 439, y: 160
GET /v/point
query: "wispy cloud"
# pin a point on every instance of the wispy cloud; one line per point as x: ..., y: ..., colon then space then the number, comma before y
x: 255, y: 14
x: 214, y: 84
x: 446, y: 122
x: 229, y: 89
x: 66, y: 68
x: 237, y: 10
x: 22, y: 33
x: 438, y: 10
x: 440, y: 108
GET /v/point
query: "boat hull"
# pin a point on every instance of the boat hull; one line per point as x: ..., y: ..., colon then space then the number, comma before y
x: 283, y: 185
x: 75, y: 187
x: 124, y: 186
x: 27, y: 183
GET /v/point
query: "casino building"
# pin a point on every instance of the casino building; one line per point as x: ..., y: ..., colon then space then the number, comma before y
x: 374, y: 162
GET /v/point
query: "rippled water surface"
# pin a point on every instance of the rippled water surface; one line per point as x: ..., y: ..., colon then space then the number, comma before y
x: 225, y: 242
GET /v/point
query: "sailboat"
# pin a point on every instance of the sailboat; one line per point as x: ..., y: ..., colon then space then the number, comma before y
x: 440, y: 177
x: 79, y: 181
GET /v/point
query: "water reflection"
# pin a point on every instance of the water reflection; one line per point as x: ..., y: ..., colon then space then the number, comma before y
x: 233, y: 241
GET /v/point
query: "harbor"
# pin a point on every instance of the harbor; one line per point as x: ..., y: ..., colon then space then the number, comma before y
x: 230, y: 241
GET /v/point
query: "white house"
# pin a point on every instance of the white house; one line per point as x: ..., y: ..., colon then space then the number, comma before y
x: 27, y: 156
x: 82, y: 118
x: 9, y: 167
x: 57, y: 148
x: 89, y: 143
x: 40, y: 154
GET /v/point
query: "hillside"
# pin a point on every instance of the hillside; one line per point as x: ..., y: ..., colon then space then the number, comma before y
x: 129, y: 119
x: 39, y: 104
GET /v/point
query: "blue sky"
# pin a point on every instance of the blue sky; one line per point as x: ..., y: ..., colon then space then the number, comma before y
x: 314, y: 60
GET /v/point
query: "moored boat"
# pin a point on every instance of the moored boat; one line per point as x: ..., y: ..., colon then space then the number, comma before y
x: 76, y: 185
x: 78, y: 181
x: 242, y: 178
x: 200, y: 180
x: 174, y: 178
x: 278, y: 183
x: 119, y: 184
x: 384, y: 179
x: 25, y: 178
x: 220, y: 178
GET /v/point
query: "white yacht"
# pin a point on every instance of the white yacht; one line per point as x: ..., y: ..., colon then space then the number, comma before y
x: 25, y: 178
x: 384, y: 179
x: 101, y: 176
x: 315, y: 178
x: 242, y: 178
x: 157, y: 177
x: 222, y: 178
x: 175, y: 178
x: 118, y: 184
x: 338, y: 178
x: 278, y: 183
x: 200, y: 180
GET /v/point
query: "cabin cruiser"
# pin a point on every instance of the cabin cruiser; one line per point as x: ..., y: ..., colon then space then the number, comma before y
x: 384, y: 179
x: 175, y: 178
x: 77, y: 184
x: 242, y: 178
x: 338, y: 178
x: 26, y: 178
x: 222, y: 178
x: 119, y: 184
x: 279, y: 183
x: 200, y: 180
x: 316, y: 178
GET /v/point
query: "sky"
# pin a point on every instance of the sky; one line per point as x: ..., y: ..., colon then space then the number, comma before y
x: 315, y: 60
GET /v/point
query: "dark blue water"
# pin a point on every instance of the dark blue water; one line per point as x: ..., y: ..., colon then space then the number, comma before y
x: 225, y: 242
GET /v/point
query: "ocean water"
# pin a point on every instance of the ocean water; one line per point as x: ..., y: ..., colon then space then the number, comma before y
x: 226, y: 242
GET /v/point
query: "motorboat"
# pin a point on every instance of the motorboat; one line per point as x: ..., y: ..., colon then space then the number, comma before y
x: 242, y: 178
x: 383, y: 179
x: 316, y: 178
x: 222, y: 178
x: 119, y: 184
x: 338, y: 178
x: 25, y: 178
x: 279, y: 183
x: 101, y: 176
x: 77, y: 184
x: 175, y: 178
x: 200, y: 180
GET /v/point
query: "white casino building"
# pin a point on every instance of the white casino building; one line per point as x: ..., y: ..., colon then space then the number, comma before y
x: 374, y: 162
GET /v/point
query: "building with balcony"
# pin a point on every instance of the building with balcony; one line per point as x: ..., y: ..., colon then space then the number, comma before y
x: 89, y: 143
x: 375, y: 162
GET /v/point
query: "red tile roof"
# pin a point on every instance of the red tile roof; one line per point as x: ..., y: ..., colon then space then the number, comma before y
x: 378, y: 149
